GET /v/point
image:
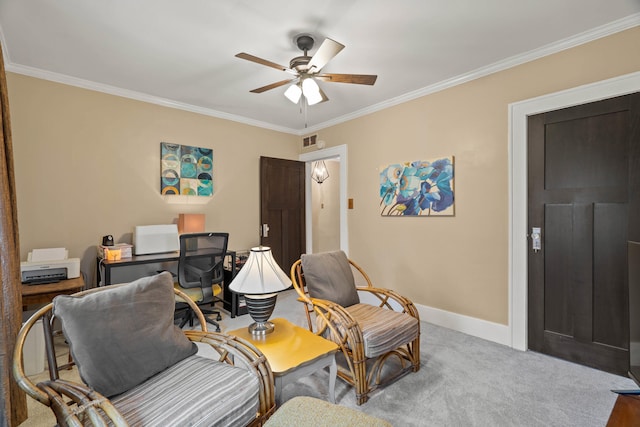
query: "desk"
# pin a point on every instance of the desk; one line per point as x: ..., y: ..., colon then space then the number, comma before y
x: 44, y: 294
x: 231, y: 300
x: 134, y: 260
x: 294, y: 352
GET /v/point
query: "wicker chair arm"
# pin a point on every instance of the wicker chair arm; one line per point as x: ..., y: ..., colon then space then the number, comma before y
x: 87, y: 402
x: 238, y: 352
x: 343, y: 330
x: 332, y: 314
x: 386, y: 296
x: 18, y: 363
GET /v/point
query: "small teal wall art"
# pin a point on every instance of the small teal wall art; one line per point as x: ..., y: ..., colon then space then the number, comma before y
x: 186, y: 170
x: 418, y: 188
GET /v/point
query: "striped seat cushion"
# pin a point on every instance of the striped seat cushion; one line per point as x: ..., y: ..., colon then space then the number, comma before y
x: 194, y: 392
x: 383, y: 330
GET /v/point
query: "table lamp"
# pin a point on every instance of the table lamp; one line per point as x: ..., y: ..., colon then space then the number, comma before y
x: 259, y: 280
x: 190, y: 223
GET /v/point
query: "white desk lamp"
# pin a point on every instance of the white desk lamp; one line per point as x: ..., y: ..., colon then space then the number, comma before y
x: 259, y: 280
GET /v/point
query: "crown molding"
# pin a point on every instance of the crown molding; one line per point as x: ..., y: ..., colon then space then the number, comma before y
x: 573, y: 41
x: 139, y: 96
x: 567, y: 43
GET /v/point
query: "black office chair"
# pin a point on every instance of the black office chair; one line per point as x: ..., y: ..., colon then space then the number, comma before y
x: 201, y: 273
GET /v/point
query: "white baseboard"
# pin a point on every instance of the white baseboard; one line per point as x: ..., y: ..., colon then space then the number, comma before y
x: 489, y: 331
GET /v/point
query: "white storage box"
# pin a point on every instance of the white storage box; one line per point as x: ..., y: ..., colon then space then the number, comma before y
x: 156, y: 239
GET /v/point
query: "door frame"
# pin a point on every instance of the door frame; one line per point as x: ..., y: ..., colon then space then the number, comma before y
x: 339, y: 152
x: 518, y: 241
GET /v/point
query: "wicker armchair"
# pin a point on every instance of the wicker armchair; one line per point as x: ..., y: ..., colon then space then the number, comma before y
x: 77, y: 404
x: 369, y: 334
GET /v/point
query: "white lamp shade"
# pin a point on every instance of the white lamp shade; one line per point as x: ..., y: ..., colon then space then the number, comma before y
x: 260, y: 274
x: 293, y: 93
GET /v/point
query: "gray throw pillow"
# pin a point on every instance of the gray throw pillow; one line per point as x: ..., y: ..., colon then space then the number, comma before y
x: 122, y: 335
x: 328, y: 276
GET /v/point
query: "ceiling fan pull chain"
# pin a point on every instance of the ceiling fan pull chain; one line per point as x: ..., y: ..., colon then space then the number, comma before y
x: 304, y: 103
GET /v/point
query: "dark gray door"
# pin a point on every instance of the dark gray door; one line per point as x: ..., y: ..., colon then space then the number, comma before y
x: 282, y: 209
x: 584, y: 196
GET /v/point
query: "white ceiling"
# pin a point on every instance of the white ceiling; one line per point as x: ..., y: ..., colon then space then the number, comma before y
x: 181, y: 53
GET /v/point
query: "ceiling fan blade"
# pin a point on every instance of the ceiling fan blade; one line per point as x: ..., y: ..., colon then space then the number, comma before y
x: 360, y: 79
x: 271, y: 86
x: 261, y: 61
x: 327, y: 50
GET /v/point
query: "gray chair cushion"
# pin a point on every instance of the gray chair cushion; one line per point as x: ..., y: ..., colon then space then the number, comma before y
x: 123, y: 334
x: 383, y: 330
x: 328, y: 276
x: 196, y: 391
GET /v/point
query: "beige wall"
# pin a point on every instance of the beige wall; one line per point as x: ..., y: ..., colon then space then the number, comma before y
x: 458, y: 264
x: 88, y: 164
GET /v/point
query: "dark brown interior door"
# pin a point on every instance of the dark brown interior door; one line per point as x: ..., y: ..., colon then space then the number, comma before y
x: 282, y: 210
x: 583, y: 194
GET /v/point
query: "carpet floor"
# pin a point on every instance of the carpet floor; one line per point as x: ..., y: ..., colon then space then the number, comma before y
x: 463, y: 381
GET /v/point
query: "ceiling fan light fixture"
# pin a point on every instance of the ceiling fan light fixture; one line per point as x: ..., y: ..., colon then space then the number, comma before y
x: 309, y: 86
x: 306, y: 68
x: 314, y: 98
x: 293, y: 93
x: 311, y: 91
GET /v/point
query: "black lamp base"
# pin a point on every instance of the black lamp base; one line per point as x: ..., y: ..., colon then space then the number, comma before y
x: 260, y: 308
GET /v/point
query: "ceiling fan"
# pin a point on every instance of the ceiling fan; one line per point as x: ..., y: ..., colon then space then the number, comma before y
x: 307, y: 69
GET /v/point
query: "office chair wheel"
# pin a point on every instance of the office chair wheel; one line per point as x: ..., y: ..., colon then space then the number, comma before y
x: 218, y: 329
x: 218, y: 318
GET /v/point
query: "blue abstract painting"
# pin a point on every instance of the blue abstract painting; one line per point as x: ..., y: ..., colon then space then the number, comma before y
x: 186, y: 170
x: 418, y: 188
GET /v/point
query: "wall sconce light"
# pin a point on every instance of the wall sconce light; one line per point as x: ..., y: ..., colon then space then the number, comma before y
x: 319, y: 173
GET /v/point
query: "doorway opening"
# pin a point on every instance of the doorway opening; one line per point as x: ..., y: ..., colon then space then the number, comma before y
x: 325, y: 206
x: 335, y: 158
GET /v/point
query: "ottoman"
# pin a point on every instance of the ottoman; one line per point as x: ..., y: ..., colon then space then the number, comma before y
x: 304, y: 411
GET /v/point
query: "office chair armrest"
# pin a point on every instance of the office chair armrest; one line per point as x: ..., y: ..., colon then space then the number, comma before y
x: 212, y: 275
x: 216, y: 272
x: 238, y: 352
x: 387, y: 297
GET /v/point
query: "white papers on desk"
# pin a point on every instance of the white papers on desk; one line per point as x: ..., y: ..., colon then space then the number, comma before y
x: 48, y: 254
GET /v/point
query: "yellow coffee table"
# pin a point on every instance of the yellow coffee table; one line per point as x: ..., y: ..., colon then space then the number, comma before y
x: 294, y: 352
